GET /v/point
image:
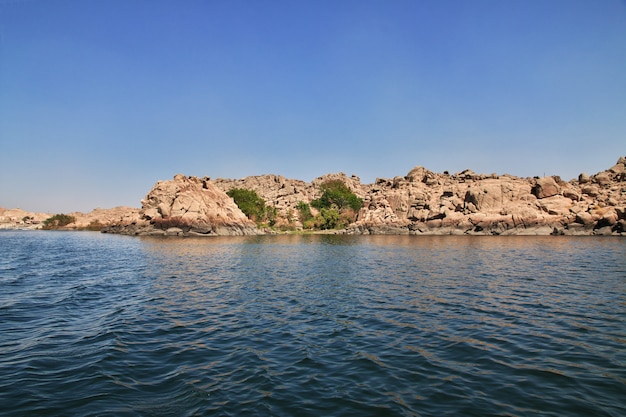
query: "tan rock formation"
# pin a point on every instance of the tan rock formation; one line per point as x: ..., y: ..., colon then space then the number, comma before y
x: 284, y: 194
x: 279, y: 192
x: 187, y: 206
x: 422, y: 202
x: 470, y: 203
x: 546, y: 187
x: 21, y: 219
x: 99, y: 218
x: 94, y: 220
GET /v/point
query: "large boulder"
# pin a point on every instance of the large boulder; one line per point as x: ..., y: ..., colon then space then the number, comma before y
x: 195, y: 206
x: 546, y: 187
x: 485, y: 196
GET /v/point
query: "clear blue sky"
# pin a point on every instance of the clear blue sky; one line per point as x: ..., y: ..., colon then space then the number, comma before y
x: 99, y: 99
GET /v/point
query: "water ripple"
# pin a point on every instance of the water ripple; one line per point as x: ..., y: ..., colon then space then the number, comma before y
x: 311, y: 325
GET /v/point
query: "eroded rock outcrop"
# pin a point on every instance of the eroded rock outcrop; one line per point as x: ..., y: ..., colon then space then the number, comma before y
x: 425, y: 202
x: 21, y: 219
x: 93, y: 220
x: 422, y: 202
x: 284, y: 194
x: 188, y: 206
x: 100, y: 218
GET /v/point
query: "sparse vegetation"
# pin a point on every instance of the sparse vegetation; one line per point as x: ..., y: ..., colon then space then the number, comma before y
x: 337, y: 207
x: 304, y: 212
x: 253, y: 206
x: 329, y: 218
x: 57, y: 221
x: 337, y: 194
x: 94, y: 226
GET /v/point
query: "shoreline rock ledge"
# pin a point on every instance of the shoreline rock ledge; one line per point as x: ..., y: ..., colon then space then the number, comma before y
x: 421, y: 203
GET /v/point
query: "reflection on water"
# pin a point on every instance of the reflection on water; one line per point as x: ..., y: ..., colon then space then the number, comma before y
x: 312, y: 325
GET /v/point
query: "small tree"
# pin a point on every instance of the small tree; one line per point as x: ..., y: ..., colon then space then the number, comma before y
x: 335, y: 192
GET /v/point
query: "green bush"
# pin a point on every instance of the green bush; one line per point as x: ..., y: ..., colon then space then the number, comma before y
x: 336, y: 193
x: 253, y: 206
x: 328, y: 219
x: 338, y: 206
x: 58, y: 220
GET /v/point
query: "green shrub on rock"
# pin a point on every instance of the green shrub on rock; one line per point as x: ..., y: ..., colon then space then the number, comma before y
x: 338, y: 206
x: 335, y: 192
x: 329, y: 218
x: 58, y: 220
x: 252, y: 205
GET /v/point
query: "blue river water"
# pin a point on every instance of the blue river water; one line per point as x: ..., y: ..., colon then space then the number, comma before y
x: 314, y: 325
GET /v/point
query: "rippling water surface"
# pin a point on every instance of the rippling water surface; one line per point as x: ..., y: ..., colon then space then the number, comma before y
x: 94, y: 324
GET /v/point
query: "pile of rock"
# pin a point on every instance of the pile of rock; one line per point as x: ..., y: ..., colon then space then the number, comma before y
x: 285, y: 194
x: 187, y: 206
x: 99, y: 218
x: 422, y: 202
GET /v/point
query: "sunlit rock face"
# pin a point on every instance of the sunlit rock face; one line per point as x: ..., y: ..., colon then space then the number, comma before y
x: 284, y: 194
x: 421, y: 202
x: 188, y: 206
x: 425, y: 202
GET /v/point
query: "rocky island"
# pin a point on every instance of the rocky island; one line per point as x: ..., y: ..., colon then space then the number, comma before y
x: 420, y: 203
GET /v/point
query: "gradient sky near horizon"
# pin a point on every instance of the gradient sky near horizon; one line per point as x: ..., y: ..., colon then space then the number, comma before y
x: 101, y: 99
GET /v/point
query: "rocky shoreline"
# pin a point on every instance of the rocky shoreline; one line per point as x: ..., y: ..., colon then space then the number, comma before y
x: 420, y: 203
x: 428, y: 203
